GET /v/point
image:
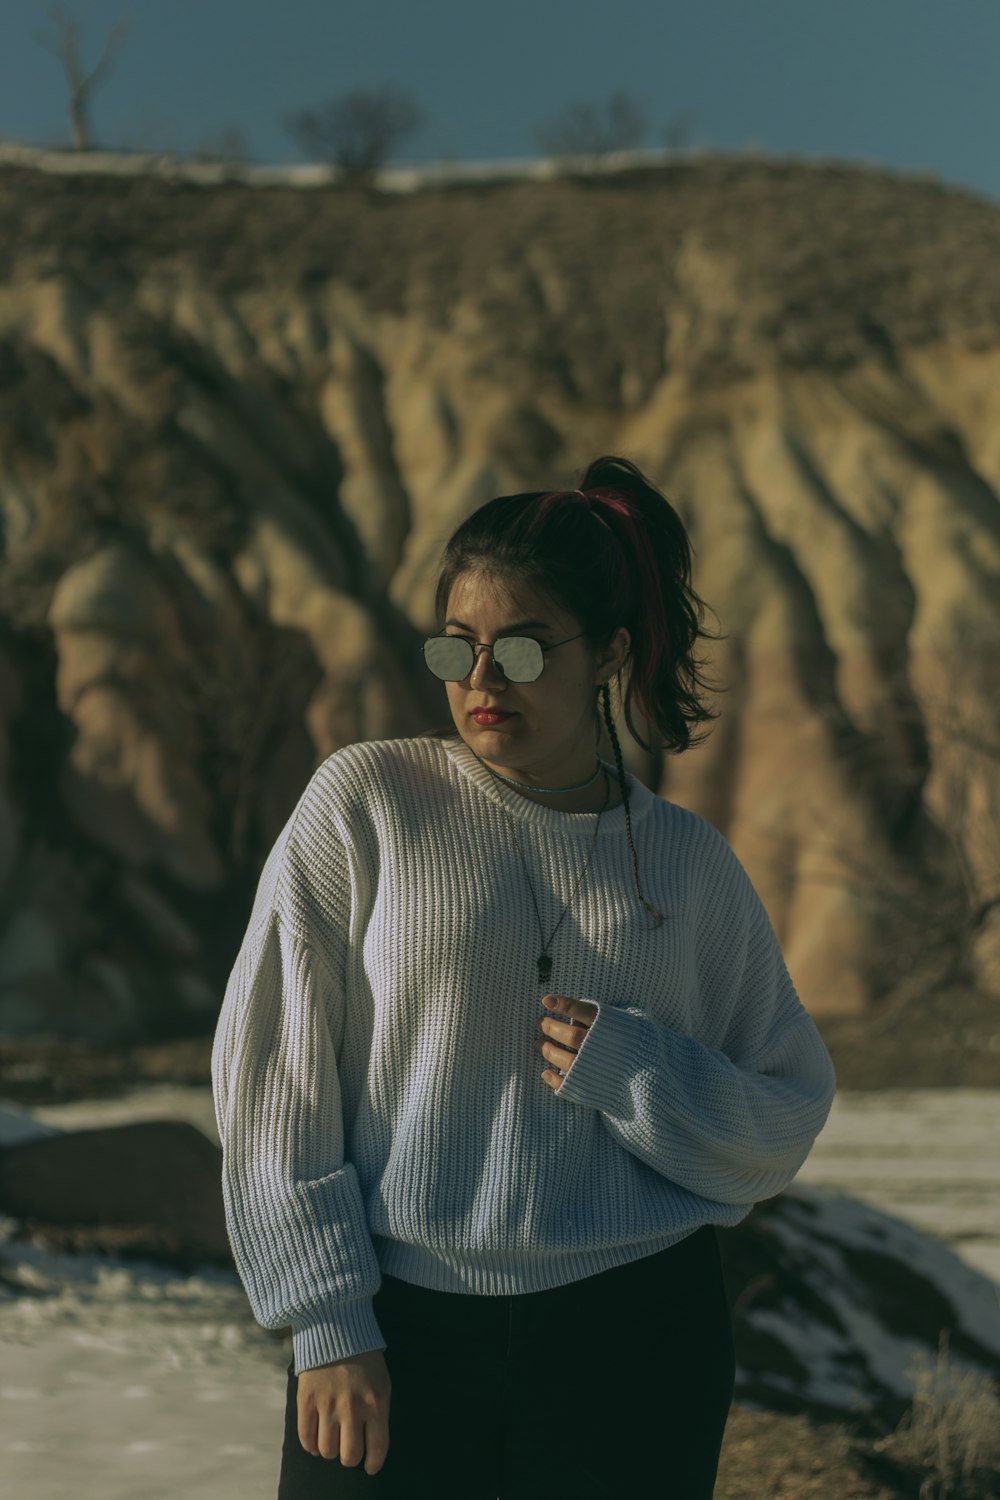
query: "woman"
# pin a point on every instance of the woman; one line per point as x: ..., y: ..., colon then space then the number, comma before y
x: 508, y: 1037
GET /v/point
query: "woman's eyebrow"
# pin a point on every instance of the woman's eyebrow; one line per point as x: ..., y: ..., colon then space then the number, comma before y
x: 520, y: 625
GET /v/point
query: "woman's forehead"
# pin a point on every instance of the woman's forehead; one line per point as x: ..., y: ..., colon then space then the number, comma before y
x: 473, y: 594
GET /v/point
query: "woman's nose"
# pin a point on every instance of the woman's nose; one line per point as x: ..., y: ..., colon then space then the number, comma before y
x: 484, y: 668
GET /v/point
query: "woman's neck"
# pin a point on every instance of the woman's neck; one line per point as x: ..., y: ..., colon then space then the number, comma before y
x: 601, y: 796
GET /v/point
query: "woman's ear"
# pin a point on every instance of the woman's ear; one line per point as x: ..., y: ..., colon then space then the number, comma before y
x: 611, y: 660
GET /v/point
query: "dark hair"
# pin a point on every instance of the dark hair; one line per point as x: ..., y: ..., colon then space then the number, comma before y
x: 557, y: 543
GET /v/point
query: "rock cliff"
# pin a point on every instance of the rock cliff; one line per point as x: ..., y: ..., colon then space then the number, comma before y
x: 238, y: 424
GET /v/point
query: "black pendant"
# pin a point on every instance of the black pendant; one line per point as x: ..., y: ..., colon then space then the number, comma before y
x: 544, y: 968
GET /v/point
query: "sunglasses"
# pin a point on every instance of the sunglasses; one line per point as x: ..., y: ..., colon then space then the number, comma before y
x: 519, y: 658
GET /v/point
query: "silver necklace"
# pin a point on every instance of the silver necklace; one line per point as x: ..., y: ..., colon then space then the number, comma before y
x: 544, y: 961
x: 529, y: 786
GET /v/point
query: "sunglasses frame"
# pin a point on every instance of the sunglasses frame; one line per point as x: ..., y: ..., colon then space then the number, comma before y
x: 485, y: 646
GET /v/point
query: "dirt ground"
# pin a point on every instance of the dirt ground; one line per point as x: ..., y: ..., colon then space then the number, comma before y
x: 773, y: 1456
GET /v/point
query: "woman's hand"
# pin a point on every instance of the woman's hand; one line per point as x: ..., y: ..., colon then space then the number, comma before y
x: 563, y: 1037
x: 343, y: 1410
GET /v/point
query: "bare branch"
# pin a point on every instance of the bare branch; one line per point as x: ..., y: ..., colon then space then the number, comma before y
x: 593, y: 130
x: 111, y: 49
x: 357, y: 130
x: 64, y: 44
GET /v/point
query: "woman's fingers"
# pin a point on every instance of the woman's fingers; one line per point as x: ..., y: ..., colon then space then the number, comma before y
x: 583, y: 1011
x: 560, y: 1057
x: 345, y: 1439
x: 571, y: 1033
x: 308, y: 1425
x: 364, y: 1435
x: 560, y: 1045
x: 330, y: 1437
x: 376, y: 1442
x: 359, y: 1435
x: 561, y: 1042
x: 343, y: 1410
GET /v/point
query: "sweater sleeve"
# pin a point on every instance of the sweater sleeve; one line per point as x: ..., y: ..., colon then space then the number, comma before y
x: 294, y: 1211
x: 732, y: 1122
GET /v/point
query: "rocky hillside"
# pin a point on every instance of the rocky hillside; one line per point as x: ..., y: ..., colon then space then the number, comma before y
x: 238, y: 423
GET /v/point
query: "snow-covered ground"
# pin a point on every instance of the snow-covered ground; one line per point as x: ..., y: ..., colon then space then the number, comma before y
x: 123, y: 1379
x: 925, y: 1155
x: 126, y: 1381
x: 407, y: 179
x: 129, y: 1383
x: 393, y: 179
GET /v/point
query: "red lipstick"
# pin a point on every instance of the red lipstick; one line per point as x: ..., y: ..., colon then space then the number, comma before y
x: 488, y: 716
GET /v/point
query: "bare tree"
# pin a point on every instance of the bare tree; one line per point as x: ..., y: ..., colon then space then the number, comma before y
x: 357, y: 130
x: 594, y: 130
x: 63, y: 41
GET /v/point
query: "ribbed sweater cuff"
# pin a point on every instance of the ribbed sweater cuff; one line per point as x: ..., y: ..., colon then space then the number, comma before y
x: 609, y: 1056
x: 324, y: 1341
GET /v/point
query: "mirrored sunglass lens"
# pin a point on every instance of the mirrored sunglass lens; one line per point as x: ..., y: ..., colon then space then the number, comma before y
x: 520, y: 657
x: 448, y: 657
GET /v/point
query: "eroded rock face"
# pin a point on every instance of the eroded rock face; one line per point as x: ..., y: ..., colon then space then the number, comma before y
x: 237, y: 427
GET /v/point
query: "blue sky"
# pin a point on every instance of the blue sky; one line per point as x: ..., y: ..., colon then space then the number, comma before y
x: 911, y: 84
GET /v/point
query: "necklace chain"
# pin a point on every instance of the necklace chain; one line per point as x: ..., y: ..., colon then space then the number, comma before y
x: 544, y: 960
x: 528, y: 786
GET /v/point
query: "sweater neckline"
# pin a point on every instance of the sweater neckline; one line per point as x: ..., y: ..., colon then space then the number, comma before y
x: 639, y: 796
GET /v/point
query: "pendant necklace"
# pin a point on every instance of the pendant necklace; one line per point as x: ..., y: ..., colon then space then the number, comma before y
x: 544, y: 960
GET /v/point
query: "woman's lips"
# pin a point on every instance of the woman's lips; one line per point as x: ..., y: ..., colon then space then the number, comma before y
x: 490, y: 715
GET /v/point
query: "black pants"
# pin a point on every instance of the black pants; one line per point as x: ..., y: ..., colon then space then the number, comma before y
x: 615, y: 1386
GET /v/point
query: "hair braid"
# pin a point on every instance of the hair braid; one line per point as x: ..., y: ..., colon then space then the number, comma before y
x: 613, y: 736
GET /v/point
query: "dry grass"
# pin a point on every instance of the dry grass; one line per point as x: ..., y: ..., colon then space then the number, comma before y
x: 576, y: 282
x: 950, y: 1436
x: 770, y: 1455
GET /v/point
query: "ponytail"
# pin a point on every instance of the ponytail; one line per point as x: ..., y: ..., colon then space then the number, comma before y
x: 665, y: 619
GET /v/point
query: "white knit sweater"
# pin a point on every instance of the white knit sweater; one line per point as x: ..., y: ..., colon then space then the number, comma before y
x: 377, y: 1091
